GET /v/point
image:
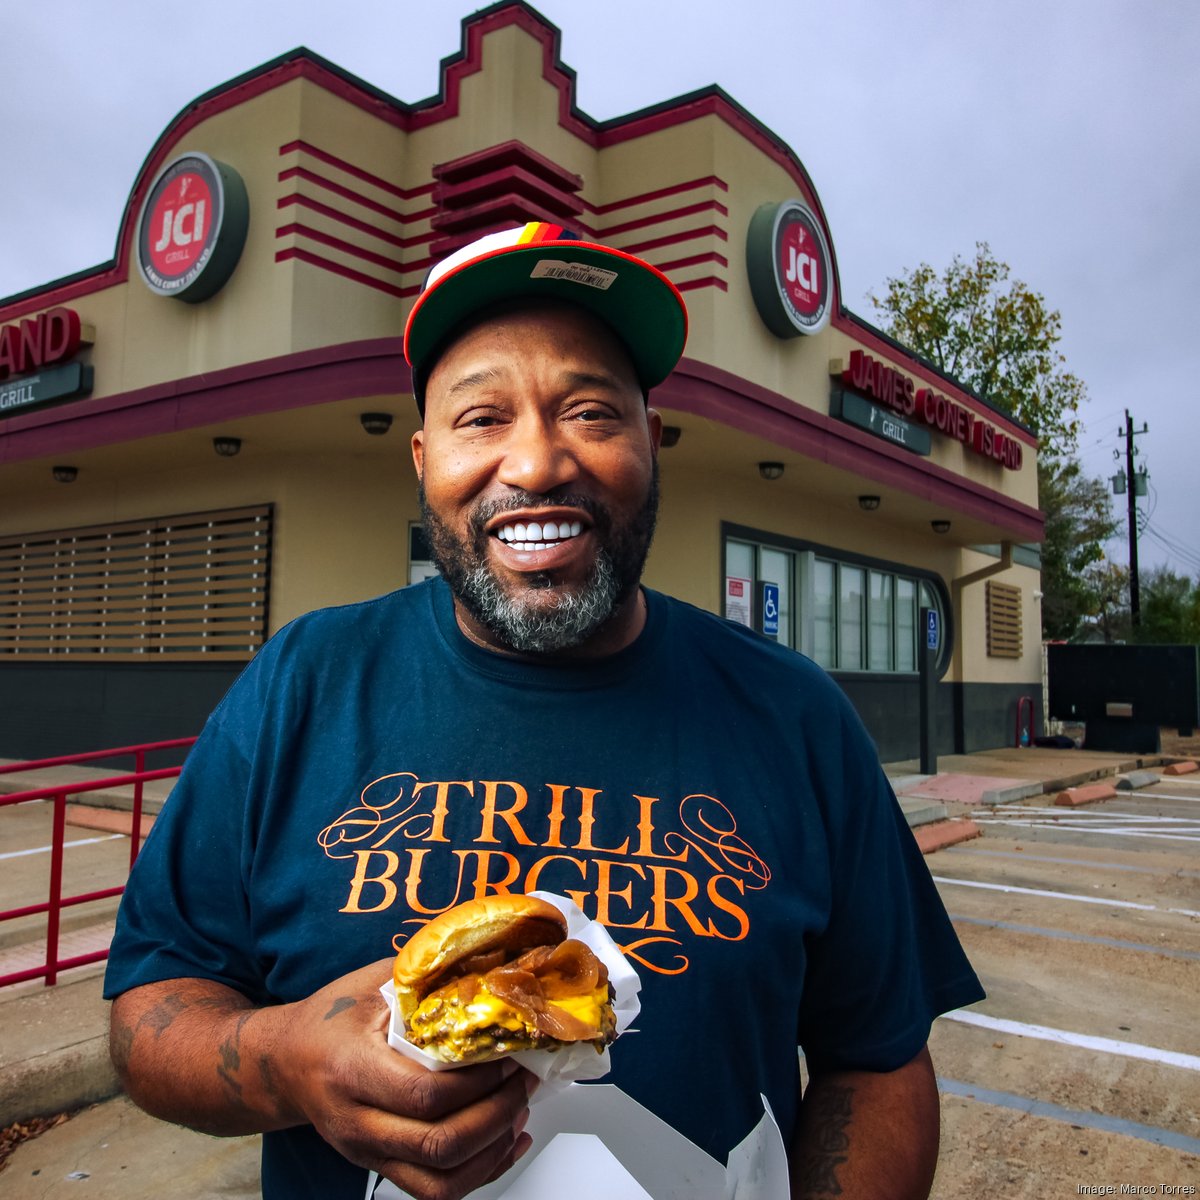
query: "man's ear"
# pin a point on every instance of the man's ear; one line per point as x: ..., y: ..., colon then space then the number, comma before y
x: 654, y: 423
x: 418, y: 453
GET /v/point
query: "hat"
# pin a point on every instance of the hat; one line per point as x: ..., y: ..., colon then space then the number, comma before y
x: 540, y: 260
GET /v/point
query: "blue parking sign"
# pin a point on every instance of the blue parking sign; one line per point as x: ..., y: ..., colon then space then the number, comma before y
x: 770, y: 609
x: 931, y: 630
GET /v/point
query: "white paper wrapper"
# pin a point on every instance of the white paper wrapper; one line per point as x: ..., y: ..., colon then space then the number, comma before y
x: 555, y: 1068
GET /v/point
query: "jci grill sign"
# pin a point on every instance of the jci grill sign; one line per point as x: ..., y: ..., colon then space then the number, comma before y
x: 192, y: 228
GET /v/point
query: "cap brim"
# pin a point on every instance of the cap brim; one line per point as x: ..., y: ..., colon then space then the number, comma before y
x: 637, y: 301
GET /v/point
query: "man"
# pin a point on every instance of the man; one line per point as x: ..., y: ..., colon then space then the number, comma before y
x: 537, y: 719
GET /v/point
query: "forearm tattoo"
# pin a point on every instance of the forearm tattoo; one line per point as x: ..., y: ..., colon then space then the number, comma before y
x: 828, y: 1114
x: 231, y: 1063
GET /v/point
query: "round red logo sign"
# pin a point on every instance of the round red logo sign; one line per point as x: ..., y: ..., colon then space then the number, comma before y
x: 800, y: 266
x: 791, y: 273
x: 192, y: 229
x: 179, y: 224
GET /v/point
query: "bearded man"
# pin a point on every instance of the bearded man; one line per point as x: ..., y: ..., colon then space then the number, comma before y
x: 535, y: 718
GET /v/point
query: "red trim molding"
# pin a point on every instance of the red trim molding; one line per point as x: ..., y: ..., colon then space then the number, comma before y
x: 376, y: 366
x: 367, y: 368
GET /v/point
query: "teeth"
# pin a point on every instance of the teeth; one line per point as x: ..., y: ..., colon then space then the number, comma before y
x: 537, y: 536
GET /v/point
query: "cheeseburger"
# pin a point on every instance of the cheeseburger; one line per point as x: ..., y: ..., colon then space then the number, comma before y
x: 499, y: 974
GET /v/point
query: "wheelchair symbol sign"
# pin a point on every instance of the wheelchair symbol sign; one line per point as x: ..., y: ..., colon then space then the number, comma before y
x: 770, y: 609
x: 931, y: 630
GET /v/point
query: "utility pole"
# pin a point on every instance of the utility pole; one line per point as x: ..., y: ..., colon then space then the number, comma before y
x: 1135, y: 608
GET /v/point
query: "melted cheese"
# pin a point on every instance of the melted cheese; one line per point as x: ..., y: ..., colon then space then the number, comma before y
x: 457, y: 1026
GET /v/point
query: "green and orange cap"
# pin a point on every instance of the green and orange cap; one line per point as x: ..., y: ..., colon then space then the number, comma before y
x: 540, y: 260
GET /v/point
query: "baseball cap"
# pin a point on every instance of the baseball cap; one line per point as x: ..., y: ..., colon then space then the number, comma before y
x: 541, y: 260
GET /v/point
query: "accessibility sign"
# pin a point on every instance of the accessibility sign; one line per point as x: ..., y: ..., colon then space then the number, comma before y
x: 931, y: 629
x: 770, y: 609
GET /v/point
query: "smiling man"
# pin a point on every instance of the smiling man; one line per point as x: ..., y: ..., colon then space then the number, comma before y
x: 539, y: 450
x: 534, y: 719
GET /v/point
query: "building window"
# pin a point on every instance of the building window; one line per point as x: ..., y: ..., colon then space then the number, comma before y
x: 188, y: 587
x: 847, y: 614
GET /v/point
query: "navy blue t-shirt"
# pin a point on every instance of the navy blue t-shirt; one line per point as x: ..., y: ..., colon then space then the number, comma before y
x: 710, y: 797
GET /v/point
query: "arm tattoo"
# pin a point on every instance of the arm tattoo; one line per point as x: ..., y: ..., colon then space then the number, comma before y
x: 231, y: 1063
x: 829, y: 1116
x: 340, y: 1005
x: 159, y: 1018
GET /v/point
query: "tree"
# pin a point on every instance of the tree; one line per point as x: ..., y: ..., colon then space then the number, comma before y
x: 1170, y: 608
x: 1000, y: 339
x: 1076, y: 579
x: 997, y: 338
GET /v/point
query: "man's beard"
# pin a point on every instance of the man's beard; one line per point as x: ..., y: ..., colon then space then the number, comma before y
x: 527, y: 619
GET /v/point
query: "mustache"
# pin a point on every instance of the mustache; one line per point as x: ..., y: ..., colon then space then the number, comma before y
x: 487, y: 510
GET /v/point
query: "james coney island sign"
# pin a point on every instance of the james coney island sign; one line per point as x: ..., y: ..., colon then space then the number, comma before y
x: 192, y: 228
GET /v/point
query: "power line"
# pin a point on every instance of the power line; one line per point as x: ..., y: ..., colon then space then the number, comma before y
x: 1187, y: 556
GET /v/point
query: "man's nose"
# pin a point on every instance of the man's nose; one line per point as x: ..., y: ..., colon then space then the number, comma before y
x: 538, y: 456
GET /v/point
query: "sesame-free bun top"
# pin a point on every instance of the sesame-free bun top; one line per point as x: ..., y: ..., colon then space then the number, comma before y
x: 510, y: 923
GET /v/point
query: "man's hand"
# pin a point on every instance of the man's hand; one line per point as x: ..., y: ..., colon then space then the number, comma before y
x: 198, y: 1053
x: 868, y: 1134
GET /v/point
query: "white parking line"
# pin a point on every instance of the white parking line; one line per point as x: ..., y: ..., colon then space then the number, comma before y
x: 1084, y: 814
x: 1171, y: 1058
x: 1075, y: 896
x: 46, y: 849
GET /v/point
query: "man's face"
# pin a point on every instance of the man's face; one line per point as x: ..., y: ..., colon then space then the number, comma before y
x: 537, y: 463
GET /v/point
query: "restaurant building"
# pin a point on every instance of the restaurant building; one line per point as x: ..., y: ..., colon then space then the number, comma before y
x: 209, y: 435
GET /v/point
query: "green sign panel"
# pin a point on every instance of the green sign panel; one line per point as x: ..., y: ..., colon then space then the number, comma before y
x: 854, y: 410
x: 55, y: 383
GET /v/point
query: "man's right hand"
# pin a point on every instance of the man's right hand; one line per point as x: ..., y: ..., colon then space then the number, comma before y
x: 198, y: 1053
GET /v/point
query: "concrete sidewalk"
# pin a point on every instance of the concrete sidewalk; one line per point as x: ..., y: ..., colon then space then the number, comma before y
x: 54, y: 1051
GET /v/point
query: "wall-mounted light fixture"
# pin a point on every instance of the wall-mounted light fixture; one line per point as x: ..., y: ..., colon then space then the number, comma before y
x: 770, y: 470
x: 670, y: 436
x: 65, y: 474
x: 376, y: 423
x: 868, y: 503
x: 940, y: 526
x: 227, y: 447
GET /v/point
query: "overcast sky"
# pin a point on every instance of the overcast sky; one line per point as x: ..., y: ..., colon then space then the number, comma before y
x: 1062, y: 132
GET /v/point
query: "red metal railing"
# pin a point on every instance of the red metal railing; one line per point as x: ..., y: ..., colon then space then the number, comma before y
x: 58, y: 793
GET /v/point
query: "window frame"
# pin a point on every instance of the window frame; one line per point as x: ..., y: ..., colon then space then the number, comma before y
x: 806, y: 553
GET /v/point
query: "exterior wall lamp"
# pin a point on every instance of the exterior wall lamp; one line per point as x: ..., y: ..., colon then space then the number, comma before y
x: 227, y: 447
x: 670, y: 436
x: 868, y: 503
x: 376, y: 423
x: 940, y: 526
x: 65, y: 474
x: 770, y: 470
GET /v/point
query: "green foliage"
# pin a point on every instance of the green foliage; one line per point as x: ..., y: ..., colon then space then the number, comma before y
x: 1109, y: 619
x: 995, y: 336
x: 1170, y: 608
x: 1076, y: 578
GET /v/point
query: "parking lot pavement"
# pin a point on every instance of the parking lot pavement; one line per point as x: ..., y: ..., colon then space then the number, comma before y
x: 1082, y: 1066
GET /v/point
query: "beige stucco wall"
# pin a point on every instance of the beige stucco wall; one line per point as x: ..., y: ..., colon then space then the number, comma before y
x: 343, y: 501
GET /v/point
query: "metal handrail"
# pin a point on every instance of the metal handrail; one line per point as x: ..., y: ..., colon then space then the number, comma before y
x: 58, y: 793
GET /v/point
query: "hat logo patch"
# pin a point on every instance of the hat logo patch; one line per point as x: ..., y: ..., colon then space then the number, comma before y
x: 589, y: 276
